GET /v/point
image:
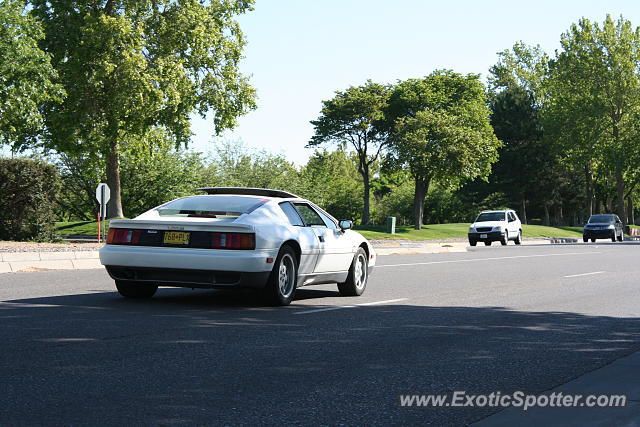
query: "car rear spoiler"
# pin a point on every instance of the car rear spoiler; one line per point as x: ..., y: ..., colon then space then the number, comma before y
x: 246, y: 191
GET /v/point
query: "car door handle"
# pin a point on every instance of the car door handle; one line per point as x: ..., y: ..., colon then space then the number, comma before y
x: 321, y: 238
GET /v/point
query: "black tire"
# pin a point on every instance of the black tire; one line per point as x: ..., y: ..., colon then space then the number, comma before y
x: 281, y: 286
x: 593, y: 240
x: 358, y: 275
x: 613, y: 237
x: 518, y: 240
x: 473, y: 242
x: 130, y: 289
x: 505, y: 238
x: 621, y: 237
x: 585, y: 239
x: 487, y: 243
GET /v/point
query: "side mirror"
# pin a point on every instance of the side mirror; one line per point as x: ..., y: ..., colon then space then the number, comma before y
x: 345, y: 224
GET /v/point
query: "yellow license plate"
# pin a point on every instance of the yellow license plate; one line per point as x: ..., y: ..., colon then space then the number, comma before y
x: 176, y: 238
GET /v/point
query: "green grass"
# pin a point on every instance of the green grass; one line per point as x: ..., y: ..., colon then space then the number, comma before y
x: 79, y: 228
x: 459, y: 231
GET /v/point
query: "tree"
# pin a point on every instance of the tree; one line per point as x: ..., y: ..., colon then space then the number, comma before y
x: 26, y: 76
x: 330, y: 179
x: 129, y: 67
x: 441, y: 131
x: 523, y: 66
x: 595, y: 87
x: 352, y: 118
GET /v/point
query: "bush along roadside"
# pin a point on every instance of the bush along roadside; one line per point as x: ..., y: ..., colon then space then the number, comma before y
x: 28, y: 191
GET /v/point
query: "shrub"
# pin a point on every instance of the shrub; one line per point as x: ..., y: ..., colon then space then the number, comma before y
x: 27, y: 199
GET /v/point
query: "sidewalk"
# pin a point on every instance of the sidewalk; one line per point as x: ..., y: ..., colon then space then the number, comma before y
x: 619, y: 377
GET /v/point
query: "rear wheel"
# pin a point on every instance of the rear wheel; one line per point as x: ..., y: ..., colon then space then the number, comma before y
x: 136, y: 289
x: 472, y: 242
x: 357, y: 278
x: 283, y: 279
x: 487, y: 243
x: 584, y: 239
x: 593, y: 240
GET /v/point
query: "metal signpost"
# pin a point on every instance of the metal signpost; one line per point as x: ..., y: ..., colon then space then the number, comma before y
x: 103, y: 194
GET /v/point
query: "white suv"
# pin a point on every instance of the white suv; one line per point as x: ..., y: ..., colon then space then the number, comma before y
x: 496, y: 226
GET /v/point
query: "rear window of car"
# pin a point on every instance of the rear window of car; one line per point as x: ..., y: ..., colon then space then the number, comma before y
x: 214, y: 206
x: 601, y: 219
x: 490, y: 216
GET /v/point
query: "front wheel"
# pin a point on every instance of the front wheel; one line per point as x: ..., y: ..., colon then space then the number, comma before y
x: 283, y: 279
x: 585, y: 240
x: 613, y: 237
x: 518, y: 240
x: 136, y: 289
x: 621, y: 237
x: 593, y: 240
x: 505, y: 238
x: 357, y: 278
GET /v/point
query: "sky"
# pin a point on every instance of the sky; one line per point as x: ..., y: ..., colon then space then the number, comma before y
x: 299, y: 52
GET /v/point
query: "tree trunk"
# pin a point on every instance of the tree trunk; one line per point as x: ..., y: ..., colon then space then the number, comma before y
x: 589, y: 185
x: 366, y: 194
x: 113, y: 181
x: 630, y: 211
x: 546, y: 214
x: 422, y: 186
x: 620, y: 190
x: 524, y: 211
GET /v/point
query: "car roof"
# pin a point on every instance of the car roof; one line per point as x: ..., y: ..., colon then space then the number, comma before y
x: 500, y: 210
x: 249, y: 191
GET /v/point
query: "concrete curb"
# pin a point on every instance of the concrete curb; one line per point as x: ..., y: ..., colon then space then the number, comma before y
x: 13, y: 262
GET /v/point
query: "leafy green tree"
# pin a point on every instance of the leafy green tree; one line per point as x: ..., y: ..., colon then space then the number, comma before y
x: 331, y: 179
x: 149, y: 177
x: 595, y: 90
x: 351, y: 118
x: 129, y: 67
x: 441, y: 131
x: 235, y: 165
x: 26, y: 76
x: 522, y: 66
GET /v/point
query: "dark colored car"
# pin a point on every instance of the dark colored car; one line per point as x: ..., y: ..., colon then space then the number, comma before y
x: 603, y: 226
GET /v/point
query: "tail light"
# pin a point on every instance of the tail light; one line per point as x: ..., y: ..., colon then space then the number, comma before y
x: 233, y: 241
x: 123, y: 236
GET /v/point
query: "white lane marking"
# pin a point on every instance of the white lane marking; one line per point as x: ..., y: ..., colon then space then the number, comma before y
x: 584, y: 274
x: 381, y: 302
x: 340, y: 307
x: 485, y: 259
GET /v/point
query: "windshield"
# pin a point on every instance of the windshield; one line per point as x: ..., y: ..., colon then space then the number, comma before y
x: 490, y: 216
x: 606, y: 219
x: 214, y: 206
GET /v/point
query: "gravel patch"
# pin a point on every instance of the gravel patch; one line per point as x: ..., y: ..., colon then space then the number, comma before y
x: 6, y: 246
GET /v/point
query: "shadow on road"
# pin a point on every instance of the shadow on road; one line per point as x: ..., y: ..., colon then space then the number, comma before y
x: 222, y: 358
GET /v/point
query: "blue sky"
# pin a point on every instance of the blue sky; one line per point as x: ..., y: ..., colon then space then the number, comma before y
x: 300, y: 52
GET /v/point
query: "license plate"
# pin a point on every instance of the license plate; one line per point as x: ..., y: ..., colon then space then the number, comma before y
x: 176, y: 238
x: 483, y: 236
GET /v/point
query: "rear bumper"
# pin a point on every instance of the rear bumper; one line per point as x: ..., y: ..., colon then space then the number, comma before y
x: 249, y: 261
x: 492, y: 236
x: 189, y: 278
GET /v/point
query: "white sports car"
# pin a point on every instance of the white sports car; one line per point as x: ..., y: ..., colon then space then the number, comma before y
x: 236, y: 237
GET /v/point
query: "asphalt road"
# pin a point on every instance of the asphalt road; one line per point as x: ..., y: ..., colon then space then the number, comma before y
x: 497, y: 318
